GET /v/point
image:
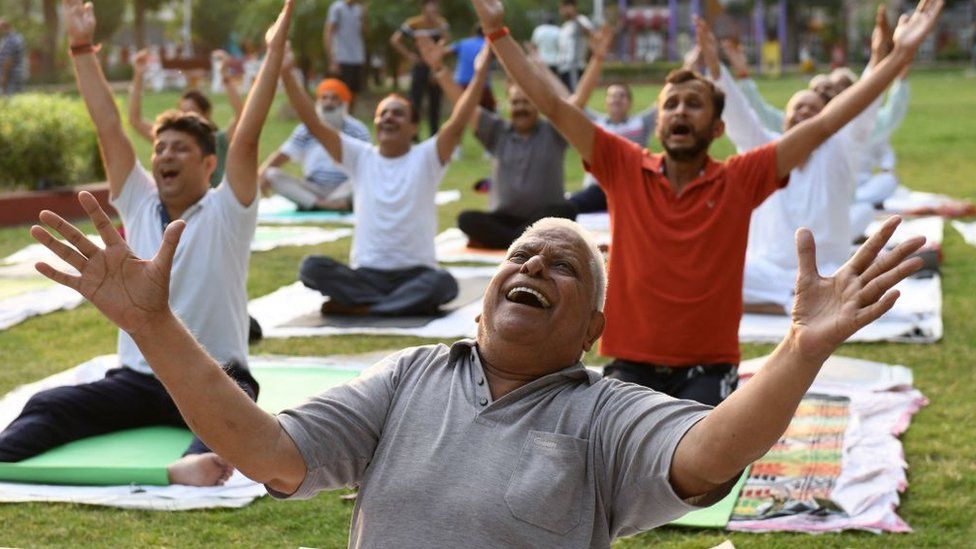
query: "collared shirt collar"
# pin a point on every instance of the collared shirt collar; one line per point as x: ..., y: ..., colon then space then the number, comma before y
x: 466, y: 347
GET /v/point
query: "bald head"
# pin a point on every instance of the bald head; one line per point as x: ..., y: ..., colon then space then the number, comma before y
x: 594, y: 258
x: 804, y: 104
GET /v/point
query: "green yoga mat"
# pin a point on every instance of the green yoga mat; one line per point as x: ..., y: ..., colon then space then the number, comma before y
x: 140, y: 456
x: 716, y: 516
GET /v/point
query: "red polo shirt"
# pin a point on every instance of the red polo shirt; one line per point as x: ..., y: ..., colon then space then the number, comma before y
x: 674, y: 295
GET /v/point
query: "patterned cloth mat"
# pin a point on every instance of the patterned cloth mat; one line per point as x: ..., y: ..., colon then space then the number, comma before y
x: 840, y: 465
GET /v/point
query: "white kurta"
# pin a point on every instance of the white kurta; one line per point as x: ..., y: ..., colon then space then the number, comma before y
x: 818, y: 196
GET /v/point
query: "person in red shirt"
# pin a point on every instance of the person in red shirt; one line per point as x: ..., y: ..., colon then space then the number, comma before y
x: 680, y: 220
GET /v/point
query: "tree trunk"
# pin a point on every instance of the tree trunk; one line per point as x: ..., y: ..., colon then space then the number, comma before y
x: 139, y: 24
x: 50, y: 44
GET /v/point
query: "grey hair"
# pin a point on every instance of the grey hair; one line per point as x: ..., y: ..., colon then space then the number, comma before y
x: 598, y: 269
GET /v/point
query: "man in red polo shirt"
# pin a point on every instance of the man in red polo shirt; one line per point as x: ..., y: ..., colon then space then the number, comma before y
x: 680, y: 220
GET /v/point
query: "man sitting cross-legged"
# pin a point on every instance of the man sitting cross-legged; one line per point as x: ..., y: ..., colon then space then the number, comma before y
x: 528, y: 155
x: 207, y: 291
x: 323, y: 185
x: 393, y: 267
x: 679, y: 219
x: 504, y: 441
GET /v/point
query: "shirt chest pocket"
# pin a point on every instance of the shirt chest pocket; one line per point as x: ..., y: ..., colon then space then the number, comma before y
x: 547, y: 486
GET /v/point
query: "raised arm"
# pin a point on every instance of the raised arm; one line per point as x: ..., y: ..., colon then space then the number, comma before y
x: 136, y: 121
x: 599, y: 46
x: 742, y: 125
x: 449, y: 136
x: 242, y: 155
x: 770, y: 116
x: 797, y: 144
x: 827, y: 311
x: 298, y: 97
x: 233, y: 94
x: 133, y: 293
x: 118, y: 156
x: 433, y: 55
x: 567, y: 118
x: 396, y: 40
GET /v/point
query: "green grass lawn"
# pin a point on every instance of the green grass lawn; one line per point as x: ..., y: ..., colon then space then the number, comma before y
x: 935, y: 148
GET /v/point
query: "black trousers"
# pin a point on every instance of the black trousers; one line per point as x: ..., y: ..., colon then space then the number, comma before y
x: 498, y: 230
x: 590, y: 199
x: 418, y: 290
x: 421, y: 85
x: 123, y: 399
x: 706, y: 383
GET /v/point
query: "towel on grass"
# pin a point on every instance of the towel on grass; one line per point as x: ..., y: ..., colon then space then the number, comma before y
x: 840, y: 465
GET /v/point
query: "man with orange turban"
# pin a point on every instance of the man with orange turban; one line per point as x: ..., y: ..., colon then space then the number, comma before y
x: 323, y: 186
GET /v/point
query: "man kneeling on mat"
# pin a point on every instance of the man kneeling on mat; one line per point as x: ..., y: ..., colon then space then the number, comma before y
x: 507, y: 439
x: 207, y: 290
x: 393, y: 266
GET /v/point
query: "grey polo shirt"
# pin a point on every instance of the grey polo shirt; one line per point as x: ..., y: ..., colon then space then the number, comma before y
x: 527, y: 171
x: 568, y: 460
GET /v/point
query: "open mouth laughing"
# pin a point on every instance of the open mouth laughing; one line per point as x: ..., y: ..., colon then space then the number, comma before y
x: 528, y: 296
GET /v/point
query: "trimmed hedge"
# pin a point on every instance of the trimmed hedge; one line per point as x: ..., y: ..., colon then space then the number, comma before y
x: 46, y: 141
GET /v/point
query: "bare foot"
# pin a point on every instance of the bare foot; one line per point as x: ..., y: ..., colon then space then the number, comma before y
x: 199, y: 470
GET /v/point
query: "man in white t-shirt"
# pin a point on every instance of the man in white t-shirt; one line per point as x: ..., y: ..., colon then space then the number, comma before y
x: 545, y: 39
x: 573, y: 35
x: 323, y: 186
x: 393, y: 268
x: 208, y: 285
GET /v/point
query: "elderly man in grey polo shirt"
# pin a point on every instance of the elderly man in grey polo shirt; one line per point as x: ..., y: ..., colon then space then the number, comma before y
x: 507, y: 440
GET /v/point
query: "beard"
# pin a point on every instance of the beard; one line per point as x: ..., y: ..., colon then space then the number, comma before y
x: 331, y: 117
x: 702, y: 140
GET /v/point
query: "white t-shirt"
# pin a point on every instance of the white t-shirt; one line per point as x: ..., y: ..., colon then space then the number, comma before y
x: 208, y: 285
x: 572, y: 43
x: 396, y: 218
x: 545, y: 38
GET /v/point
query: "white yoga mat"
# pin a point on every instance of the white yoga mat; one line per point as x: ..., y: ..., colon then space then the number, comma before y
x: 916, y: 318
x: 905, y: 199
x: 277, y: 309
x: 932, y: 227
x: 882, y: 403
x: 452, y: 247
x: 967, y: 230
x: 269, y: 238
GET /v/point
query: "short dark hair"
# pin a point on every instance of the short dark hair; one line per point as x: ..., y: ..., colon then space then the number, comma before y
x: 414, y: 115
x: 191, y: 123
x: 625, y: 86
x: 200, y: 99
x: 567, y: 3
x: 680, y: 76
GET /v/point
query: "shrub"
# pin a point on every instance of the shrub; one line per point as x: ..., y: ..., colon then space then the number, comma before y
x: 46, y: 141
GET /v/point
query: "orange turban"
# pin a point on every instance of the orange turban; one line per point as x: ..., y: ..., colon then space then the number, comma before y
x: 335, y: 86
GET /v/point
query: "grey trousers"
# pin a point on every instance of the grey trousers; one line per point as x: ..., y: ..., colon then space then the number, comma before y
x: 413, y: 291
x: 302, y: 191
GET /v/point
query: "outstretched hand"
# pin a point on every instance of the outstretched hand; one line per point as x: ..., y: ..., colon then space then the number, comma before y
x: 708, y: 45
x: 881, y: 42
x: 129, y: 291
x: 491, y: 14
x: 601, y: 40
x: 483, y: 60
x: 140, y: 60
x: 828, y: 310
x: 79, y: 21
x: 912, y: 30
x: 736, y: 55
x: 277, y: 34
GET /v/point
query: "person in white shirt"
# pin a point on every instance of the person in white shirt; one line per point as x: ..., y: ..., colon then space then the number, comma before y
x: 545, y: 39
x: 393, y: 267
x: 323, y: 186
x: 573, y: 35
x: 207, y: 289
x: 820, y: 192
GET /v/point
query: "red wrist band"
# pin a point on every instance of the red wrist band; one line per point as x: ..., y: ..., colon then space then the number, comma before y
x: 83, y: 49
x: 500, y: 33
